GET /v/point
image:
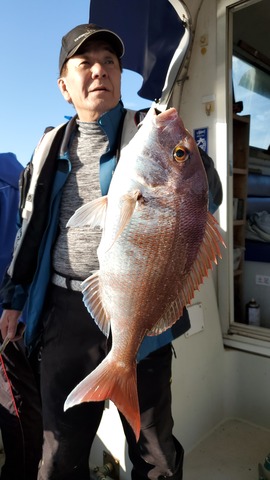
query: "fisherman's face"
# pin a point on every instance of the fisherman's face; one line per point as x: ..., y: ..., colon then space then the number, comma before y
x: 91, y: 80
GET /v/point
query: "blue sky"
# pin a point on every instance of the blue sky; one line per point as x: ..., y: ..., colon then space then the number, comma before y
x: 30, y: 38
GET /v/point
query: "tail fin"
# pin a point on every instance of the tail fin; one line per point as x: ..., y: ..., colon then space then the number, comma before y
x: 110, y: 381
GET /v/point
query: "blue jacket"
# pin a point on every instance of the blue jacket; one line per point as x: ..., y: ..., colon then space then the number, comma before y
x: 21, y: 285
x: 10, y: 170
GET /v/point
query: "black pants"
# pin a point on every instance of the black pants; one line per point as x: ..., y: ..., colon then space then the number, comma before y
x: 20, y: 415
x: 73, y: 346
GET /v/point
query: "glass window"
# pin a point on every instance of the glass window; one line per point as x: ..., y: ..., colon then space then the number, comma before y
x: 252, y: 87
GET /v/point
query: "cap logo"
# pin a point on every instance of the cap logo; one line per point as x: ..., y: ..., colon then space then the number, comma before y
x: 83, y: 35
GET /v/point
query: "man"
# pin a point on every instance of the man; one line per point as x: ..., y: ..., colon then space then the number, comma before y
x: 20, y: 407
x: 72, y: 165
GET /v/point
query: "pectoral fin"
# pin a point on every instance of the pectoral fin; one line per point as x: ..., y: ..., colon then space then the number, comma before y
x: 127, y: 207
x: 92, y: 214
x: 128, y: 204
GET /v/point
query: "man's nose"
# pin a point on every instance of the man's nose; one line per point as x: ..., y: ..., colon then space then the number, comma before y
x: 98, y: 70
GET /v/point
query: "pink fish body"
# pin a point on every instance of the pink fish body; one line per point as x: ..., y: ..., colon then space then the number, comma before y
x: 158, y: 242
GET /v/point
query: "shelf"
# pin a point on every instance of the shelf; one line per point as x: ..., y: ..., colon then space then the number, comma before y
x: 240, y: 171
x: 239, y: 223
x: 240, y: 176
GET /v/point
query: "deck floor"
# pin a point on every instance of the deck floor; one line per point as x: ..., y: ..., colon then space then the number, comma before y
x: 231, y: 452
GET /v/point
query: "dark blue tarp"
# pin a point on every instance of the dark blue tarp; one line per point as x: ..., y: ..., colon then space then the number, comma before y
x: 151, y: 31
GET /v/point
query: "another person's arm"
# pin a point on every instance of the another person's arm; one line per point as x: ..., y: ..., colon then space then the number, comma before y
x: 9, y: 323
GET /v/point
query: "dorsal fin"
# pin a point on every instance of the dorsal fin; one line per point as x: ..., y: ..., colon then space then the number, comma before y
x: 207, y: 254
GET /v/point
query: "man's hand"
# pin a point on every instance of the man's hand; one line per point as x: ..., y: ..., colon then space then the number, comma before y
x: 9, y: 324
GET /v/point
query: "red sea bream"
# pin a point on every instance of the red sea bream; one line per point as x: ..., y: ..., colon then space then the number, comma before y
x: 158, y: 242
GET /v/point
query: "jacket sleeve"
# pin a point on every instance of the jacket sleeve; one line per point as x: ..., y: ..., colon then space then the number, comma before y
x: 12, y: 296
x: 215, y: 187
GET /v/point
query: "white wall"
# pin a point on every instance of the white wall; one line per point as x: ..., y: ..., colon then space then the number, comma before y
x: 211, y: 384
x: 198, y: 403
x: 247, y: 387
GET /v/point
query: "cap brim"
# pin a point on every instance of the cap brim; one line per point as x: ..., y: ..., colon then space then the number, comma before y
x: 106, y: 35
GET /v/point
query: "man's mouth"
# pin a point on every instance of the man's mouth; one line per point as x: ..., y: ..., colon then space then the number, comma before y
x: 99, y: 89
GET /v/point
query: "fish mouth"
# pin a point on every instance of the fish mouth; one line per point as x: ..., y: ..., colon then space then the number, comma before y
x: 170, y: 112
x: 163, y: 118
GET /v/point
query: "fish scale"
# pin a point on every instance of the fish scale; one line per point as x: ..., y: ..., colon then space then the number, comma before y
x: 158, y: 243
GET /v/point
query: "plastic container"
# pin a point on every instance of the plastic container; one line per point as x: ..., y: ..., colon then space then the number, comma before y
x: 253, y: 314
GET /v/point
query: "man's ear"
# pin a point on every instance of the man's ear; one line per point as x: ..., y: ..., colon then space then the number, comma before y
x: 63, y: 89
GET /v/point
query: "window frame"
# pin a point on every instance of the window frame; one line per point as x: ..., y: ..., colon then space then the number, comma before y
x: 235, y: 335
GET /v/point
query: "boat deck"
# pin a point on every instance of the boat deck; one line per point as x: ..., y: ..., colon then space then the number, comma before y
x: 232, y: 451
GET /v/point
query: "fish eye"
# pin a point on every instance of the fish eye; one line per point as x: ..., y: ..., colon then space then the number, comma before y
x: 180, y: 153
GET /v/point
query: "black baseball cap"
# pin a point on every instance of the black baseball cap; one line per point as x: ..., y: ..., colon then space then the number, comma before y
x: 72, y: 41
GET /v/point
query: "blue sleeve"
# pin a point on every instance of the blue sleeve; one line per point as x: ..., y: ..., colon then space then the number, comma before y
x: 150, y: 344
x: 215, y: 187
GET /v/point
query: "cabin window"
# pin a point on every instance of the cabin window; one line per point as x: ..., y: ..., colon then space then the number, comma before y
x: 246, y: 325
x: 251, y: 87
